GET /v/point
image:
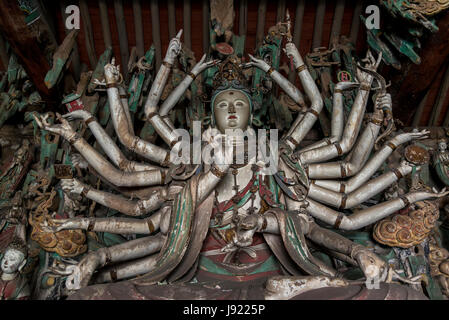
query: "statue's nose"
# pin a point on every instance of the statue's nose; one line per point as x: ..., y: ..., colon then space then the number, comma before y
x: 231, y: 108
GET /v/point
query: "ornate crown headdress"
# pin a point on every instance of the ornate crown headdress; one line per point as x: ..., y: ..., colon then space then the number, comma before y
x: 229, y: 74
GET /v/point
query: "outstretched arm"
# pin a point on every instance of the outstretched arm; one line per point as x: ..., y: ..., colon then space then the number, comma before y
x: 367, y: 171
x: 112, y: 224
x: 367, y: 216
x: 108, y: 145
x: 362, y: 150
x: 344, y: 200
x: 177, y: 93
x: 282, y: 82
x: 117, y: 202
x: 120, y: 121
x: 98, y: 162
x: 353, y: 124
x: 337, y: 122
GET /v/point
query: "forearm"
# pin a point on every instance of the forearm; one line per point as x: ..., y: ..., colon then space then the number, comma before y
x: 176, y: 94
x: 125, y: 107
x: 132, y: 142
x: 112, y: 174
x: 352, y: 164
x: 330, y: 240
x: 127, y: 206
x: 128, y: 269
x: 350, y: 133
x: 130, y: 250
x: 288, y: 87
x: 296, y: 134
x: 369, y: 169
x: 151, y: 105
x: 364, y: 217
x: 337, y: 122
x: 368, y: 190
x: 113, y: 151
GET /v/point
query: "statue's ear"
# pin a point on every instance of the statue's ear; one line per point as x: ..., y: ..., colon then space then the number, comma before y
x: 22, y: 265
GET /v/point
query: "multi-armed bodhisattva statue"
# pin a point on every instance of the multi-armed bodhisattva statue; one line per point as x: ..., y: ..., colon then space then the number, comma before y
x: 237, y: 218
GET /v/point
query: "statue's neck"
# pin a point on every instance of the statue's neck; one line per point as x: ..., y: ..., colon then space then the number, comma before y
x: 8, y: 276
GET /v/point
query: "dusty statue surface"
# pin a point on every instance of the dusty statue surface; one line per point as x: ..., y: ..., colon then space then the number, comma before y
x: 221, y: 194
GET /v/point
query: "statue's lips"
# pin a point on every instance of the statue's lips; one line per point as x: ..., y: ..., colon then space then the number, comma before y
x: 232, y: 117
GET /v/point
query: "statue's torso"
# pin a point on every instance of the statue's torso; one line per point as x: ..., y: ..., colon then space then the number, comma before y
x: 243, y: 263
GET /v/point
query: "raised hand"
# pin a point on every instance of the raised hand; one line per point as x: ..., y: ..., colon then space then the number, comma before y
x: 258, y: 63
x: 370, y: 63
x: 64, y: 129
x: 174, y: 47
x: 383, y: 101
x: 201, y: 65
x: 292, y: 52
x: 112, y: 73
x: 77, y: 114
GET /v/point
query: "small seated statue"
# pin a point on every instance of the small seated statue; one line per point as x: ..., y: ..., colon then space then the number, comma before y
x: 13, y: 285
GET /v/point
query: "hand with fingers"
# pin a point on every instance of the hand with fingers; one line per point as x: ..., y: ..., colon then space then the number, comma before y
x: 409, y: 136
x: 438, y: 194
x: 174, y: 48
x: 383, y: 101
x: 372, y: 265
x: 370, y: 63
x: 64, y: 129
x: 202, y: 65
x: 258, y: 63
x: 72, y: 187
x: 292, y: 52
x: 79, y: 161
x: 83, y: 271
x: 112, y: 73
x: 78, y: 114
x: 56, y: 225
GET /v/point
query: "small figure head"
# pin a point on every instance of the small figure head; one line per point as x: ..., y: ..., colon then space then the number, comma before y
x: 14, y: 258
x: 231, y: 109
x: 442, y: 145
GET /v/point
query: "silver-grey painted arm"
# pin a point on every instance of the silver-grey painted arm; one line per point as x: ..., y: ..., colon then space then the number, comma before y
x: 363, y: 218
x: 120, y: 122
x: 98, y: 162
x: 107, y: 144
x: 372, y: 165
x: 355, y: 160
x: 297, y: 133
x: 125, y: 107
x: 117, y: 202
x: 371, y: 188
x: 337, y: 122
x: 127, y: 251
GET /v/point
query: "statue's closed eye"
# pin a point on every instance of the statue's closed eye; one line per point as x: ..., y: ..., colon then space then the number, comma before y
x: 223, y: 104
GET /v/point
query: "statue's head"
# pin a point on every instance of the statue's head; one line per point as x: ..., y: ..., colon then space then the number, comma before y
x: 231, y: 109
x: 442, y: 145
x: 231, y: 103
x: 14, y: 258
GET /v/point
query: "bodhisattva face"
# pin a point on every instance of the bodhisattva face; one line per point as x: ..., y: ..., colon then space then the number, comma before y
x: 231, y: 110
x: 12, y: 261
